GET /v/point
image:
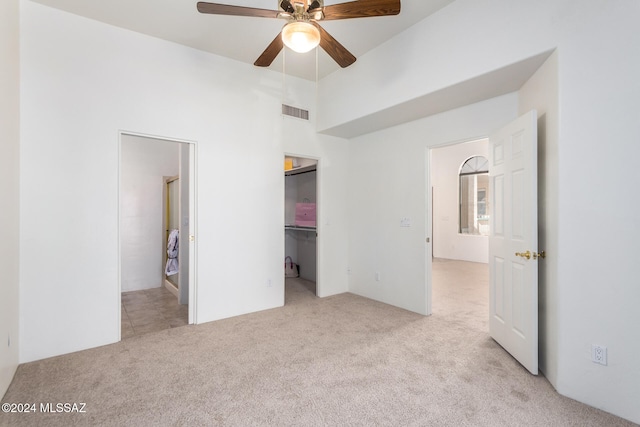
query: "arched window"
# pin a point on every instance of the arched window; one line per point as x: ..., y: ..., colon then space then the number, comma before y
x: 474, y: 196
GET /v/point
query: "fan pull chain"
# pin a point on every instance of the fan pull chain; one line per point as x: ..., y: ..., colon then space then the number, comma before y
x: 317, y: 91
x: 284, y: 84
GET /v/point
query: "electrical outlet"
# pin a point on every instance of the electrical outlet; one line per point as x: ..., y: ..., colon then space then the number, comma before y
x: 377, y: 276
x: 599, y: 354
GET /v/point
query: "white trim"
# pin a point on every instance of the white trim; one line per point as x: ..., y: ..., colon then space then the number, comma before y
x: 119, y: 242
x: 428, y: 253
x: 193, y: 226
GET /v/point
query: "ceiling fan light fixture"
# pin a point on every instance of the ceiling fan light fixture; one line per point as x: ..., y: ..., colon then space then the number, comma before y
x: 300, y: 36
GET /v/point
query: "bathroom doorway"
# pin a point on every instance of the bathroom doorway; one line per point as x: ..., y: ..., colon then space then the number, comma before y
x: 156, y: 201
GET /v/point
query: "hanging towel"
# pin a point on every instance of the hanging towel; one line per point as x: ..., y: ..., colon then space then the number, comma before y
x: 172, y: 252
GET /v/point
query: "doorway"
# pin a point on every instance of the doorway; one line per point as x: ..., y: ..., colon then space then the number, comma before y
x: 459, y: 230
x: 301, y: 207
x: 513, y: 239
x: 156, y: 198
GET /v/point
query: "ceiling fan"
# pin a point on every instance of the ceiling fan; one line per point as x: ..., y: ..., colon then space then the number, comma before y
x: 302, y: 31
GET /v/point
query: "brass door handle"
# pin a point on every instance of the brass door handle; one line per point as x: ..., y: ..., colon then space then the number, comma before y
x: 534, y: 255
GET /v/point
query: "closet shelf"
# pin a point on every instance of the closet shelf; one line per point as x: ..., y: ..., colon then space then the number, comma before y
x: 299, y: 170
x: 299, y: 228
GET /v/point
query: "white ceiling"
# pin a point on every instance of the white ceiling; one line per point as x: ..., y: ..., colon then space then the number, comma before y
x: 244, y: 38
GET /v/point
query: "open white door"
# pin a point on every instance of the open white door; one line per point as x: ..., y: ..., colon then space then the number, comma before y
x: 513, y: 240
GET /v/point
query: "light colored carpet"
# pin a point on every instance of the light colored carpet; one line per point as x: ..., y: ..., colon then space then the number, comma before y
x: 338, y: 361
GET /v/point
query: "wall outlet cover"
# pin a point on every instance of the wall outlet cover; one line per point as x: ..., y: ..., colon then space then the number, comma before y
x: 599, y: 354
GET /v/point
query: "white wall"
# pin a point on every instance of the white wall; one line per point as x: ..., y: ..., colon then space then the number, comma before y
x: 445, y: 168
x: 387, y: 182
x: 597, y: 291
x: 9, y: 189
x: 145, y: 162
x: 598, y: 89
x: 82, y: 82
x: 460, y: 42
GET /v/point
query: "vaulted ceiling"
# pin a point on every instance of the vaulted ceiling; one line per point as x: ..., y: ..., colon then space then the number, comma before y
x: 245, y: 38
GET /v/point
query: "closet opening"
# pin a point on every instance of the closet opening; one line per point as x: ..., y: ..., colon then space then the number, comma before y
x: 300, y: 230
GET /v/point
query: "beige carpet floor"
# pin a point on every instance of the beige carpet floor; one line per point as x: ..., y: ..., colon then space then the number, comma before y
x: 338, y: 361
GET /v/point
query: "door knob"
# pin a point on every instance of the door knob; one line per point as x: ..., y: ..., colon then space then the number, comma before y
x: 526, y: 255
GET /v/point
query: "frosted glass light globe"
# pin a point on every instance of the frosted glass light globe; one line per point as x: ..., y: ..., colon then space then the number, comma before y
x: 300, y: 36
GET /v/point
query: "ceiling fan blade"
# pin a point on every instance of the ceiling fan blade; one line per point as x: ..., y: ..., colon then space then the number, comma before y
x: 339, y: 53
x: 362, y: 9
x: 270, y: 52
x: 225, y: 9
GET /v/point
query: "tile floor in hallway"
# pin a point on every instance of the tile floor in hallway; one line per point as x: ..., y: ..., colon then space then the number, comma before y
x: 151, y: 310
